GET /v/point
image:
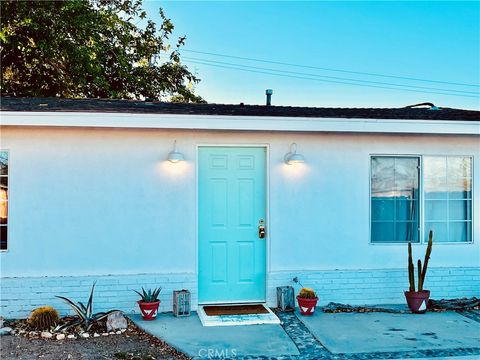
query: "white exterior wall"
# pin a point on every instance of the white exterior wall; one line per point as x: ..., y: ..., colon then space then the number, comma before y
x: 103, y: 201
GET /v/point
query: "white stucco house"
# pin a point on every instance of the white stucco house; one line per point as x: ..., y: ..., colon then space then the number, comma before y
x: 88, y: 194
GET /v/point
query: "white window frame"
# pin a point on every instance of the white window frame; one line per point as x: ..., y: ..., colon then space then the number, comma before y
x: 421, y: 199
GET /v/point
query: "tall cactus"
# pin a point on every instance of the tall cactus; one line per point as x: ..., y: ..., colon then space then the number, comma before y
x: 419, y: 271
x: 422, y: 271
x: 411, y: 274
x: 421, y: 281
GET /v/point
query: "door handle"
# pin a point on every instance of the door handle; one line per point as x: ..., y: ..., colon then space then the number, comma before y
x: 261, y: 229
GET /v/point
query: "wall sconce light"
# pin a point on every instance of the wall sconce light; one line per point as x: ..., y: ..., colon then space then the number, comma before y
x: 174, y: 156
x: 292, y: 157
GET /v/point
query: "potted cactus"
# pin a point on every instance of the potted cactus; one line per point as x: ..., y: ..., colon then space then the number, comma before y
x: 417, y: 300
x: 307, y: 300
x: 149, y: 303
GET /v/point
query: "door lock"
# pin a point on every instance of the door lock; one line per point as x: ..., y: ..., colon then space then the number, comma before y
x: 261, y: 229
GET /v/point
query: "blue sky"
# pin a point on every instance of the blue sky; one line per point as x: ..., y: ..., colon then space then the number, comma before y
x: 426, y: 40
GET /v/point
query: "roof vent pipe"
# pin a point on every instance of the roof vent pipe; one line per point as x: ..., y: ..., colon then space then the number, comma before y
x: 269, y: 93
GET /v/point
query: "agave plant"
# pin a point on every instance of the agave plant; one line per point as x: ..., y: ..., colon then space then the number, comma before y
x: 149, y: 296
x: 86, y: 317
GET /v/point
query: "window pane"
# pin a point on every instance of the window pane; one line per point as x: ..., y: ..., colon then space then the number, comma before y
x: 440, y: 231
x: 3, y: 193
x: 383, y: 176
x: 383, y: 232
x: 406, y: 231
x: 406, y: 177
x: 436, y: 210
x: 436, y: 188
x: 394, y: 199
x: 406, y: 210
x: 382, y: 209
x: 435, y: 175
x: 435, y: 167
x: 460, y: 188
x: 3, y: 198
x: 459, y: 210
x: 3, y: 238
x: 383, y: 165
x: 459, y: 166
x: 448, y: 178
x: 460, y: 231
x: 3, y: 212
x: 3, y: 162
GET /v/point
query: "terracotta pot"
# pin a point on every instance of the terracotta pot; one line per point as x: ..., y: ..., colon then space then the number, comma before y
x: 417, y: 300
x: 149, y: 309
x: 307, y: 306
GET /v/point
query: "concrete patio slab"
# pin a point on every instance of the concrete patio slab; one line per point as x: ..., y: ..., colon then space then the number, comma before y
x: 187, y: 335
x: 383, y: 332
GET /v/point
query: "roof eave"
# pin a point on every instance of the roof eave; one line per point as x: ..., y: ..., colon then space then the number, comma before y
x: 238, y: 123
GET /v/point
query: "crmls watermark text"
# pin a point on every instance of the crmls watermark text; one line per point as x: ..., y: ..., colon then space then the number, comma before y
x: 208, y: 353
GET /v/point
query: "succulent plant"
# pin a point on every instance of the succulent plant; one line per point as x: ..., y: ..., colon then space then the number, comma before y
x: 422, y: 271
x: 86, y: 317
x: 43, y: 318
x: 150, y: 295
x: 307, y: 293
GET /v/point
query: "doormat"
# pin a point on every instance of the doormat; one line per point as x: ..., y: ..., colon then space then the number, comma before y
x: 233, y: 315
x: 235, y: 310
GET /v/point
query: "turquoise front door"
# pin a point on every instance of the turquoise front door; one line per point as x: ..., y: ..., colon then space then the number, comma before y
x: 231, y: 204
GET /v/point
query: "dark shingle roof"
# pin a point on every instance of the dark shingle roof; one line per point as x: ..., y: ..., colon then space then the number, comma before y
x: 133, y: 106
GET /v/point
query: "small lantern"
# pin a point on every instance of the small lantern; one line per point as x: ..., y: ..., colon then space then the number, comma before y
x: 285, y: 298
x: 181, y: 303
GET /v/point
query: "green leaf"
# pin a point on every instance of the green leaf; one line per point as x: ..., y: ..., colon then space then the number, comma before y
x: 102, y: 315
x: 68, y: 325
x: 74, y: 306
x: 91, y: 49
x: 84, y: 309
x: 156, y: 293
x: 90, y: 302
x: 141, y: 295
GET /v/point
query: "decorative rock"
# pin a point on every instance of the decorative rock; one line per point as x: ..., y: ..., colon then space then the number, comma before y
x: 85, y: 335
x: 5, y: 331
x: 46, y: 334
x: 116, y: 321
x: 111, y: 333
x: 60, y: 337
x: 123, y: 330
x: 118, y: 332
x: 96, y: 335
x: 104, y: 334
x: 71, y: 336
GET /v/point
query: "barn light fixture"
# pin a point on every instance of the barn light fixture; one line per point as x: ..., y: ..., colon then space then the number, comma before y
x: 292, y: 157
x: 175, y: 156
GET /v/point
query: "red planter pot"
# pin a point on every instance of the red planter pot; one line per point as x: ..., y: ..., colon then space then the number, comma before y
x: 149, y: 309
x: 417, y: 301
x: 307, y: 306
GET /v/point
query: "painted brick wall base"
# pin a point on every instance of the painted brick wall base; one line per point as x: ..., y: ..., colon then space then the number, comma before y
x: 382, y: 286
x: 19, y: 296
